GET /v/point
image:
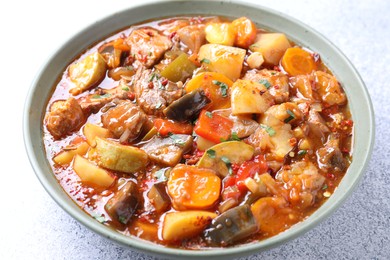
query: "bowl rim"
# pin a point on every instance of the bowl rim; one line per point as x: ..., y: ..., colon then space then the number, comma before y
x: 32, y: 147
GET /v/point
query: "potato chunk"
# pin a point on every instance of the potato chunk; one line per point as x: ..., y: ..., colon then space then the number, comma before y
x: 250, y: 97
x: 220, y: 33
x: 185, y: 224
x: 91, y: 173
x: 66, y: 157
x: 86, y: 73
x: 222, y: 59
x: 92, y: 131
x: 272, y: 46
x: 117, y: 157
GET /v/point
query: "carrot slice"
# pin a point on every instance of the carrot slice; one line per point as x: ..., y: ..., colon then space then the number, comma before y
x: 166, y: 127
x: 191, y: 187
x: 297, y: 61
x: 213, y: 127
x: 245, y: 32
x: 216, y: 87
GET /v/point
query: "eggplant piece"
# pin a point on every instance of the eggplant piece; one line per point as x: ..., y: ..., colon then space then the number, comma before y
x: 159, y: 197
x: 231, y: 226
x: 168, y: 151
x: 188, y: 107
x: 124, y: 203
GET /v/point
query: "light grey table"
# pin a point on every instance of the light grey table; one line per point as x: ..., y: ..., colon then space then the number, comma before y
x: 34, y: 227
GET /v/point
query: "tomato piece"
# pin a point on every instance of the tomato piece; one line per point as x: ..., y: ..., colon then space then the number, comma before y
x: 213, y: 127
x: 245, y: 32
x: 248, y: 169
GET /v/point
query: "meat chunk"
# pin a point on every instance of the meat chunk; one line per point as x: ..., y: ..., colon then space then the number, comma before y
x: 330, y: 156
x: 329, y: 88
x: 152, y: 96
x: 125, y: 120
x: 317, y: 125
x: 303, y: 181
x: 122, y: 206
x: 278, y: 83
x: 64, y: 117
x: 193, y: 36
x: 95, y: 101
x: 148, y: 45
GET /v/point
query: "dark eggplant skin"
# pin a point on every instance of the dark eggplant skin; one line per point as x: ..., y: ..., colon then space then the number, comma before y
x: 124, y: 203
x: 159, y: 197
x: 188, y: 107
x: 231, y: 226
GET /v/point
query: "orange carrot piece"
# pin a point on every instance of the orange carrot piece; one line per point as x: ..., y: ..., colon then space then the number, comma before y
x: 297, y: 61
x: 216, y: 87
x: 191, y: 187
x: 166, y: 127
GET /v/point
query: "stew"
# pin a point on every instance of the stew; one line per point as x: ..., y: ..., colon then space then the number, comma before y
x: 197, y: 132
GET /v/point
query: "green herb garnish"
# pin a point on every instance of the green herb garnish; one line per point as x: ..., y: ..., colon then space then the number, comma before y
x: 265, y: 83
x: 211, y: 153
x: 269, y: 130
x: 228, y: 164
x: 153, y: 76
x: 99, y: 218
x: 234, y: 137
x: 223, y: 86
x: 209, y: 114
x: 101, y: 96
x: 325, y: 187
x: 177, y: 140
x: 160, y: 174
x: 291, y: 116
x: 302, y: 152
x: 204, y: 60
x: 125, y: 88
x: 122, y: 219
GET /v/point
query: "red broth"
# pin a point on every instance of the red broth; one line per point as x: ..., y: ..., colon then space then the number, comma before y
x: 198, y: 132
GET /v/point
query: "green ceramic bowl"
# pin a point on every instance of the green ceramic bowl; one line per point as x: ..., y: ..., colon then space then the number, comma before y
x: 359, y: 102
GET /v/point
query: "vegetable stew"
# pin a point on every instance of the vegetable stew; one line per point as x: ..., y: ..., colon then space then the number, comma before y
x: 198, y: 132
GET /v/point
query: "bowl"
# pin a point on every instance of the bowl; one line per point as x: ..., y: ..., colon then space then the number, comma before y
x: 359, y: 102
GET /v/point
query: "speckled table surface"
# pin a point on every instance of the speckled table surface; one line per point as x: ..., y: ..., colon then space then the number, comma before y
x: 33, y: 226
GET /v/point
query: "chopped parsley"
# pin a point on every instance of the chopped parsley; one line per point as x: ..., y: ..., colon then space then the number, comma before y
x: 228, y: 164
x: 211, y: 153
x: 265, y: 83
x: 101, y: 96
x: 153, y: 76
x: 291, y: 116
x: 204, y: 60
x: 122, y: 219
x: 209, y: 114
x: 160, y: 174
x: 234, y: 137
x: 99, y: 218
x: 269, y: 130
x: 125, y: 88
x: 302, y: 152
x: 324, y: 187
x: 177, y: 140
x: 223, y: 86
